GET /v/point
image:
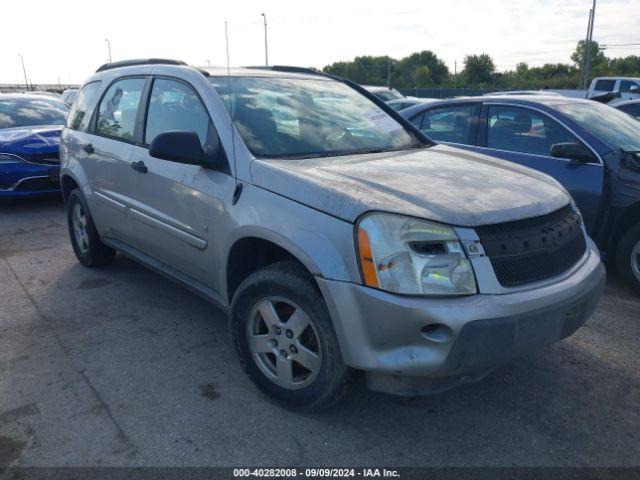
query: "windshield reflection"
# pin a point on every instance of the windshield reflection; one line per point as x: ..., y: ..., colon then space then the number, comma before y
x: 291, y: 117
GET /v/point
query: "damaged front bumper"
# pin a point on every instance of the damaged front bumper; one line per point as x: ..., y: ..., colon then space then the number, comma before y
x: 409, y: 345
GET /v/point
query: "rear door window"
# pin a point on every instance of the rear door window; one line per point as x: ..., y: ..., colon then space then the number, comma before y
x: 519, y: 129
x: 452, y: 123
x: 118, y: 109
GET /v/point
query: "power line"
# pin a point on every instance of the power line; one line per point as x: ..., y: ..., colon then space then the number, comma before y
x: 607, y: 45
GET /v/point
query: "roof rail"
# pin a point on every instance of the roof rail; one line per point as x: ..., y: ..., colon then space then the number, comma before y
x: 286, y: 68
x: 141, y: 61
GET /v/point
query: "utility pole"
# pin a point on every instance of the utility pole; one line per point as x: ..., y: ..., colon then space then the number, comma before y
x: 24, y: 70
x: 455, y: 74
x: 109, y: 48
x: 266, y: 48
x: 587, y: 47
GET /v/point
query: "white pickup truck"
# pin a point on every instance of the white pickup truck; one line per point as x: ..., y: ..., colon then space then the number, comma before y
x: 629, y: 88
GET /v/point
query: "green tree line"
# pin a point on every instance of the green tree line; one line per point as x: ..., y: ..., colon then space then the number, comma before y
x: 424, y: 69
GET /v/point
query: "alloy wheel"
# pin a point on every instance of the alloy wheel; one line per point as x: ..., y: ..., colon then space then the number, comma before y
x: 79, y: 223
x: 284, y: 343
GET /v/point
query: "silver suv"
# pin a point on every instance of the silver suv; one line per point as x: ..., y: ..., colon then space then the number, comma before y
x: 334, y: 234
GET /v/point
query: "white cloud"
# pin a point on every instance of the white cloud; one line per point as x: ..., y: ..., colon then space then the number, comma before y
x: 66, y: 39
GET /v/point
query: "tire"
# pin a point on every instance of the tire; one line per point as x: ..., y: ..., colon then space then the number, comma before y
x: 628, y: 257
x: 87, y: 246
x: 288, y: 372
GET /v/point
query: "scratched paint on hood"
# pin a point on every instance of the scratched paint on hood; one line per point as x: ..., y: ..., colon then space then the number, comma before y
x: 440, y: 183
x: 30, y: 140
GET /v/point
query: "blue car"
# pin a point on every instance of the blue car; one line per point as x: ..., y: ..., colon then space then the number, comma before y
x: 592, y: 149
x: 30, y: 127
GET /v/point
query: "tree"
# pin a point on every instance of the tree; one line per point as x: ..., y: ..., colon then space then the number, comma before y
x: 421, y: 69
x: 424, y: 69
x: 364, y: 70
x: 627, y: 66
x: 599, y: 63
x: 478, y: 70
x: 522, y: 69
x: 421, y: 76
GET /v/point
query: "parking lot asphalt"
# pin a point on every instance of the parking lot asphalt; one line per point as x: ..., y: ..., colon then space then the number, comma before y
x: 118, y: 366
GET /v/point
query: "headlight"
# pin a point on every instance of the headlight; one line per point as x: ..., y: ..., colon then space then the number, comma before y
x: 411, y: 256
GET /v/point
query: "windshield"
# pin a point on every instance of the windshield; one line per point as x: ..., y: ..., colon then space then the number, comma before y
x: 28, y: 112
x: 293, y: 117
x: 615, y: 128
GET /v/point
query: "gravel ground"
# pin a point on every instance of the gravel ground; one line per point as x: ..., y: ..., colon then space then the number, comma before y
x: 119, y: 367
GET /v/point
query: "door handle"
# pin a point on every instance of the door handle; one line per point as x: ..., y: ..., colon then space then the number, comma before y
x: 88, y: 148
x: 139, y: 167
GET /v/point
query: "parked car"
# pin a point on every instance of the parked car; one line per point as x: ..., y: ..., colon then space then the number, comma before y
x: 336, y: 236
x: 628, y: 87
x: 590, y: 148
x: 69, y: 96
x: 402, y: 103
x: 30, y: 127
x: 44, y: 93
x: 385, y: 94
x: 631, y: 107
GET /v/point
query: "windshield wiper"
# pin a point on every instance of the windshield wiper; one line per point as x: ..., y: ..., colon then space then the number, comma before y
x: 338, y: 153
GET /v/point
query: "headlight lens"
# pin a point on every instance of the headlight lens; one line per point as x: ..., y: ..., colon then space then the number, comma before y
x: 411, y: 256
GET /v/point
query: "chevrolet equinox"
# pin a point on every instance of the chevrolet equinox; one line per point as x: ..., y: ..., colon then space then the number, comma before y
x: 335, y: 235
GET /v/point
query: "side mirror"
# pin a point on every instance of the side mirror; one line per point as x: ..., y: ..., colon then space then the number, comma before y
x: 576, y: 152
x: 635, y: 90
x: 179, y: 146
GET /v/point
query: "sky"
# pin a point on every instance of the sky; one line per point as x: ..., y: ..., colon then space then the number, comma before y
x: 64, y: 40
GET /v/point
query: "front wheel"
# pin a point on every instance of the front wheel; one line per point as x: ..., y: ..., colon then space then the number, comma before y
x: 628, y: 257
x: 285, y: 338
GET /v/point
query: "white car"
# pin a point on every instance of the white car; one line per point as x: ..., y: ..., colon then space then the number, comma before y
x: 385, y: 94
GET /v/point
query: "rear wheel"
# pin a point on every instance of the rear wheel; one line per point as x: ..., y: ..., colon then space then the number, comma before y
x: 85, y: 240
x: 628, y: 257
x: 285, y: 338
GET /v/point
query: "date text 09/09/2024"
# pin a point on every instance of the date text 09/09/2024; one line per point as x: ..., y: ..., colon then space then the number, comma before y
x: 316, y: 472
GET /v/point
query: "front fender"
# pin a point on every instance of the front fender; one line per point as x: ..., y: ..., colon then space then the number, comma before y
x: 322, y: 243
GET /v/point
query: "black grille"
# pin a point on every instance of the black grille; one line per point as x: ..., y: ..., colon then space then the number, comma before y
x: 533, y: 249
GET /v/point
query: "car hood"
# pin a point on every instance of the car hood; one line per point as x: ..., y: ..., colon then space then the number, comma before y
x: 440, y: 183
x: 30, y: 140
